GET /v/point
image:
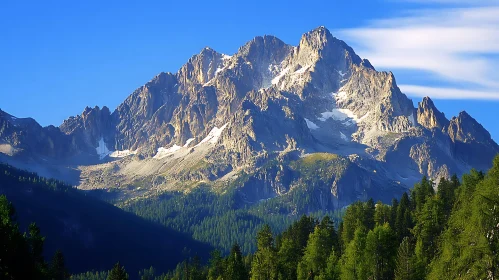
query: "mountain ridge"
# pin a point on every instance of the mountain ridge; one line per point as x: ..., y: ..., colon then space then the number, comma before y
x: 219, y: 117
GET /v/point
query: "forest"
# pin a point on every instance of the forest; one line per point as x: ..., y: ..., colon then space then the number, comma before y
x: 436, y: 231
x: 450, y: 233
x: 90, y: 233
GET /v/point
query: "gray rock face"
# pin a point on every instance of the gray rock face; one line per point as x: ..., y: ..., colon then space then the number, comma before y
x: 472, y: 143
x: 429, y: 116
x: 261, y: 120
x: 89, y: 127
x: 24, y: 137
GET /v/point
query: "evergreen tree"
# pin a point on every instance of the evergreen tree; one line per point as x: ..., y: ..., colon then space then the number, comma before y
x: 403, y: 220
x: 406, y: 267
x: 353, y: 265
x: 216, y: 265
x: 446, y: 193
x: 57, y: 267
x: 147, y: 274
x: 35, y: 241
x: 382, y: 214
x: 369, y: 209
x: 358, y: 214
x: 393, y: 213
x: 422, y: 192
x: 235, y: 268
x: 18, y: 252
x: 319, y: 246
x: 380, y: 252
x: 429, y: 225
x: 288, y: 258
x: 264, y: 265
x: 117, y: 273
x: 332, y: 271
x: 470, y: 244
x: 195, y: 271
x: 299, y: 231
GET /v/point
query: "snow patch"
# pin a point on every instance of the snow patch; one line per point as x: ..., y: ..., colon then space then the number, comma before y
x: 163, y: 152
x: 345, y: 115
x: 343, y: 136
x: 102, y: 149
x: 341, y: 95
x: 213, y: 136
x: 310, y: 124
x: 188, y: 142
x: 220, y: 69
x: 226, y: 57
x: 121, y: 154
x: 302, y: 70
x: 341, y: 73
x: 278, y: 77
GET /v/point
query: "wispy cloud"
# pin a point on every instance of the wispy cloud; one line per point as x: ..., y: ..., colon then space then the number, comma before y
x: 460, y: 45
x: 449, y: 93
x: 468, y: 2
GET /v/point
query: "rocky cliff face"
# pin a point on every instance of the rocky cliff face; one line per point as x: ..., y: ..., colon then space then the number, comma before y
x: 251, y: 120
x: 24, y: 137
x: 429, y: 116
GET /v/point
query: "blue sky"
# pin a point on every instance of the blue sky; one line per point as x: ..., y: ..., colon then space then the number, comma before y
x: 56, y: 57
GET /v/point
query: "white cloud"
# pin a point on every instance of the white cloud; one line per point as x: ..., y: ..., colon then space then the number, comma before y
x: 455, y: 44
x: 467, y: 2
x: 448, y: 93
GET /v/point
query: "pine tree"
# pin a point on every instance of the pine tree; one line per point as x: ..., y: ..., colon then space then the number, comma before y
x: 459, y: 243
x: 380, y: 252
x: 117, y: 273
x: 393, y: 213
x: 147, y: 274
x: 216, y: 265
x: 288, y: 257
x: 382, y: 214
x: 57, y: 267
x: 358, y: 214
x: 16, y: 254
x: 36, y: 240
x: 406, y: 267
x: 421, y: 193
x: 264, y: 265
x: 369, y: 209
x: 403, y: 220
x: 332, y: 271
x: 235, y: 268
x: 353, y: 265
x: 429, y: 225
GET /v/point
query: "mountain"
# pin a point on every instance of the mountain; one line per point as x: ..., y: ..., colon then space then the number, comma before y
x: 92, y: 234
x: 271, y: 120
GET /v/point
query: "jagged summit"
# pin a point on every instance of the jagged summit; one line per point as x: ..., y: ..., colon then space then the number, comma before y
x: 429, y: 116
x: 249, y: 119
x: 465, y: 128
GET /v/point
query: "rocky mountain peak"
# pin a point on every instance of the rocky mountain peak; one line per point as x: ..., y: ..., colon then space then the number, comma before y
x: 202, y: 67
x: 316, y: 38
x: 375, y: 97
x: 429, y: 116
x: 264, y: 49
x: 320, y: 43
x: 88, y: 128
x: 465, y: 128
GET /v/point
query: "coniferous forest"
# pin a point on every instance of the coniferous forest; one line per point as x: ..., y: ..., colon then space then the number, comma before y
x: 436, y: 231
